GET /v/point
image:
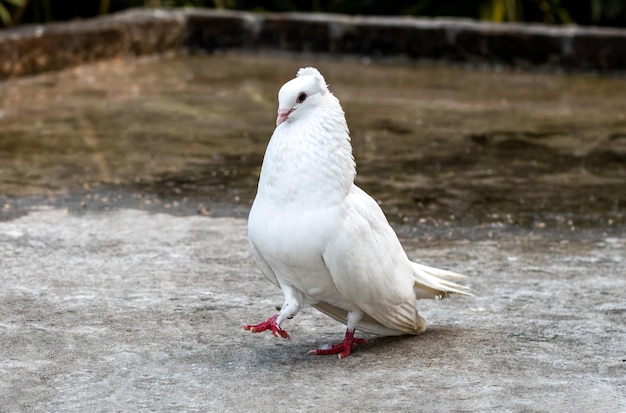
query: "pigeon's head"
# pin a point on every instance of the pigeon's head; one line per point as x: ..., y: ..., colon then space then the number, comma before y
x: 301, y: 95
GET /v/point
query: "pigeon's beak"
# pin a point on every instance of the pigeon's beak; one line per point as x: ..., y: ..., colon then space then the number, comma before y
x: 283, y: 114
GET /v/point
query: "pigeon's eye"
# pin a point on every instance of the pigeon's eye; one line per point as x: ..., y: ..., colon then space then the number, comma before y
x: 301, y: 97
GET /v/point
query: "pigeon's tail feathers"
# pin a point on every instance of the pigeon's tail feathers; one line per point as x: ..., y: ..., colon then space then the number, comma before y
x: 433, y: 282
x: 439, y: 273
x: 311, y: 71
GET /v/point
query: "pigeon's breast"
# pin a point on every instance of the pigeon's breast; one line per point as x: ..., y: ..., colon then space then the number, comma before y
x: 307, y: 172
x: 292, y: 243
x: 292, y: 236
x: 306, y: 167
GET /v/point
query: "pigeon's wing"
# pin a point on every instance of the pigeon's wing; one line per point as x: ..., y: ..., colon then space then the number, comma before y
x: 263, y: 265
x: 367, y: 324
x: 370, y: 268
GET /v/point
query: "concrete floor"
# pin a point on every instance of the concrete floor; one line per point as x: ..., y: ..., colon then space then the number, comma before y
x: 133, y: 311
x: 513, y: 179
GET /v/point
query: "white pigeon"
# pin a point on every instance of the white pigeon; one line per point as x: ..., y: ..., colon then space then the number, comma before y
x: 323, y: 240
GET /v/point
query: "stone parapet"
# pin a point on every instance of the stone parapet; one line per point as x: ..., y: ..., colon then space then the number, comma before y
x: 33, y: 49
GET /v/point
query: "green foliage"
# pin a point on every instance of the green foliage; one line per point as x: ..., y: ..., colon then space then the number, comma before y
x: 598, y: 12
x: 513, y: 10
x: 607, y: 9
x: 5, y: 15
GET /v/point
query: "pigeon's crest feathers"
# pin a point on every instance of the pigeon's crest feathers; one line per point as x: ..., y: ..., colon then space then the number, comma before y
x: 311, y: 71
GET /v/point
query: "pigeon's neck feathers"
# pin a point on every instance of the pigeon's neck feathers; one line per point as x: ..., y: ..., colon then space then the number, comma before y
x: 309, y: 162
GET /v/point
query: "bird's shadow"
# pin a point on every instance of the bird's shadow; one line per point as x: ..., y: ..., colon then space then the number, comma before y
x: 433, y: 338
x: 431, y: 343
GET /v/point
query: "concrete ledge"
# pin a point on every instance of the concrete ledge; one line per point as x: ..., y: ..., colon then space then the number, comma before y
x: 457, y: 40
x: 34, y: 49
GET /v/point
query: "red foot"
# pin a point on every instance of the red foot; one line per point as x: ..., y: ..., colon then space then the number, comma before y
x: 342, y: 349
x: 269, y: 324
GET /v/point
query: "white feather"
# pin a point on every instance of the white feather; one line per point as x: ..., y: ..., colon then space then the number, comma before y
x: 323, y: 240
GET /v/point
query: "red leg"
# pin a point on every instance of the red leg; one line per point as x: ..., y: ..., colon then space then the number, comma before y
x: 269, y: 324
x: 342, y: 349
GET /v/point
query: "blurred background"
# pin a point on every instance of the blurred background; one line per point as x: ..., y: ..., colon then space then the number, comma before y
x: 582, y: 12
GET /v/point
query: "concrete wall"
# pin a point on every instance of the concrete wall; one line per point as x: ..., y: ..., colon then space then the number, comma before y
x: 34, y: 49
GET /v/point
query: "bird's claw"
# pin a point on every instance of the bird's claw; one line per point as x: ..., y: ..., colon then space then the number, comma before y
x: 342, y: 349
x: 269, y: 324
